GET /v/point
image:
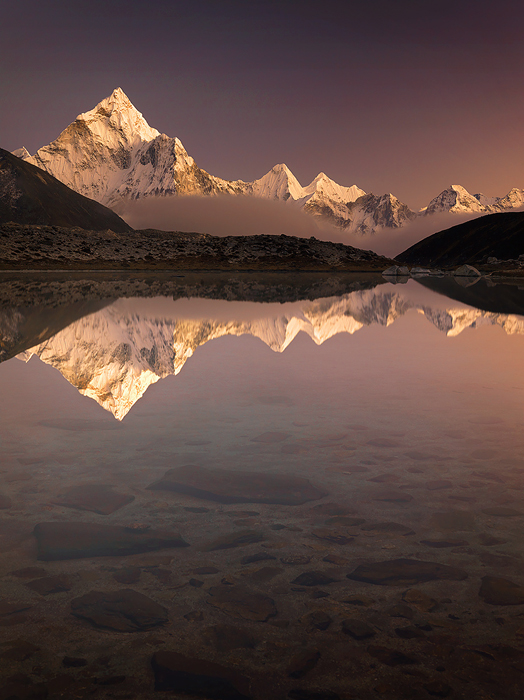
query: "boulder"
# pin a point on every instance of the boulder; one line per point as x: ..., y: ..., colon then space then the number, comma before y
x: 93, y: 497
x: 467, y: 271
x: 240, y: 602
x: 501, y: 591
x: 182, y: 674
x: 75, y: 540
x: 123, y: 611
x: 227, y: 486
x: 404, y: 572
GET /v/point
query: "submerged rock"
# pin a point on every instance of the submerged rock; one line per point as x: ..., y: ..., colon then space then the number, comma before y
x: 123, y: 611
x: 240, y: 602
x: 226, y: 486
x: 96, y: 498
x: 182, y: 674
x: 66, y: 540
x: 501, y: 591
x: 467, y: 271
x: 399, y: 572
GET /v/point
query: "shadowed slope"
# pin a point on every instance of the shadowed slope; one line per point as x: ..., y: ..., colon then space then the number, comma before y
x: 29, y: 195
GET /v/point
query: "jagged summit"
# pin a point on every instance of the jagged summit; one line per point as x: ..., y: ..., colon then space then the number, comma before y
x: 117, y: 113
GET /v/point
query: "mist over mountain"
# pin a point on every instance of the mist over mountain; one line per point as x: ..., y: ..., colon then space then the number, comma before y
x: 111, y: 154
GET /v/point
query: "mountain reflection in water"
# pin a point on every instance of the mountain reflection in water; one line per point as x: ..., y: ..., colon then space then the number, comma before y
x: 325, y: 502
x: 114, y: 354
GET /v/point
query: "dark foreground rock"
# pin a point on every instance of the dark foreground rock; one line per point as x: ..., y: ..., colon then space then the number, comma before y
x: 123, y: 611
x: 404, y: 572
x: 501, y: 591
x: 227, y: 486
x: 182, y: 674
x: 66, y: 540
x: 93, y: 497
x: 240, y: 602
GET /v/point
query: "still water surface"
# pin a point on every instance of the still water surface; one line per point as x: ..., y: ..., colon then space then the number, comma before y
x: 375, y: 433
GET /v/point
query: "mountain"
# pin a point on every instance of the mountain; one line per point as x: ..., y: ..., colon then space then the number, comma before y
x: 30, y: 196
x: 498, y: 236
x: 116, y: 353
x: 110, y: 154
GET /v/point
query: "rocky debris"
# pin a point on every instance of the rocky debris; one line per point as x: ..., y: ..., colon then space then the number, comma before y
x: 501, y: 591
x: 399, y: 572
x: 51, y: 584
x: 235, y: 539
x: 409, y: 632
x: 123, y: 611
x: 313, y: 578
x: 182, y: 674
x: 77, y: 540
x: 240, y: 602
x: 361, y: 601
x: 396, y: 271
x: 358, y: 629
x: 93, y: 497
x: 227, y: 486
x: 53, y: 247
x: 74, y: 662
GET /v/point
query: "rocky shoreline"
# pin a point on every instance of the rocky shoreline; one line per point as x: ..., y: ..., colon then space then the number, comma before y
x: 57, y: 248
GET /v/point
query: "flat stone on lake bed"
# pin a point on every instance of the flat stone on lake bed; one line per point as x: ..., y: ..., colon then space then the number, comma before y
x: 501, y: 591
x: 75, y: 540
x: 501, y: 512
x: 123, y: 611
x: 235, y: 539
x: 227, y: 486
x: 400, y: 572
x: 240, y: 602
x: 181, y: 674
x: 95, y: 498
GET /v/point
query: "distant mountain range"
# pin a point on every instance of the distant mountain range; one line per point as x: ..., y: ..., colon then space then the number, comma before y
x: 111, y: 154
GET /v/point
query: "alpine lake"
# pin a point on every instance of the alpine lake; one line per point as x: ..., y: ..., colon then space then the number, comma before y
x: 264, y: 486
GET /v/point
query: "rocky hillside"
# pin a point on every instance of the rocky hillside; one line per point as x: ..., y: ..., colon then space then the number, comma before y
x: 52, y: 247
x: 28, y: 195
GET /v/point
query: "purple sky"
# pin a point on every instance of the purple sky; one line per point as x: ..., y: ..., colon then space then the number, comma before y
x: 396, y: 96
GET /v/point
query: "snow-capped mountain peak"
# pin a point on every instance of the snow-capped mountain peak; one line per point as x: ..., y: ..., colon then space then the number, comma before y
x: 117, y: 113
x: 455, y: 199
x: 278, y: 183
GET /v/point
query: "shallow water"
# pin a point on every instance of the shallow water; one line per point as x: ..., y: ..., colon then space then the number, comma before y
x: 400, y: 406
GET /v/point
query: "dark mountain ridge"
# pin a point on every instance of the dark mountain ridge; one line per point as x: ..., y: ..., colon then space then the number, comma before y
x: 29, y: 195
x: 498, y: 236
